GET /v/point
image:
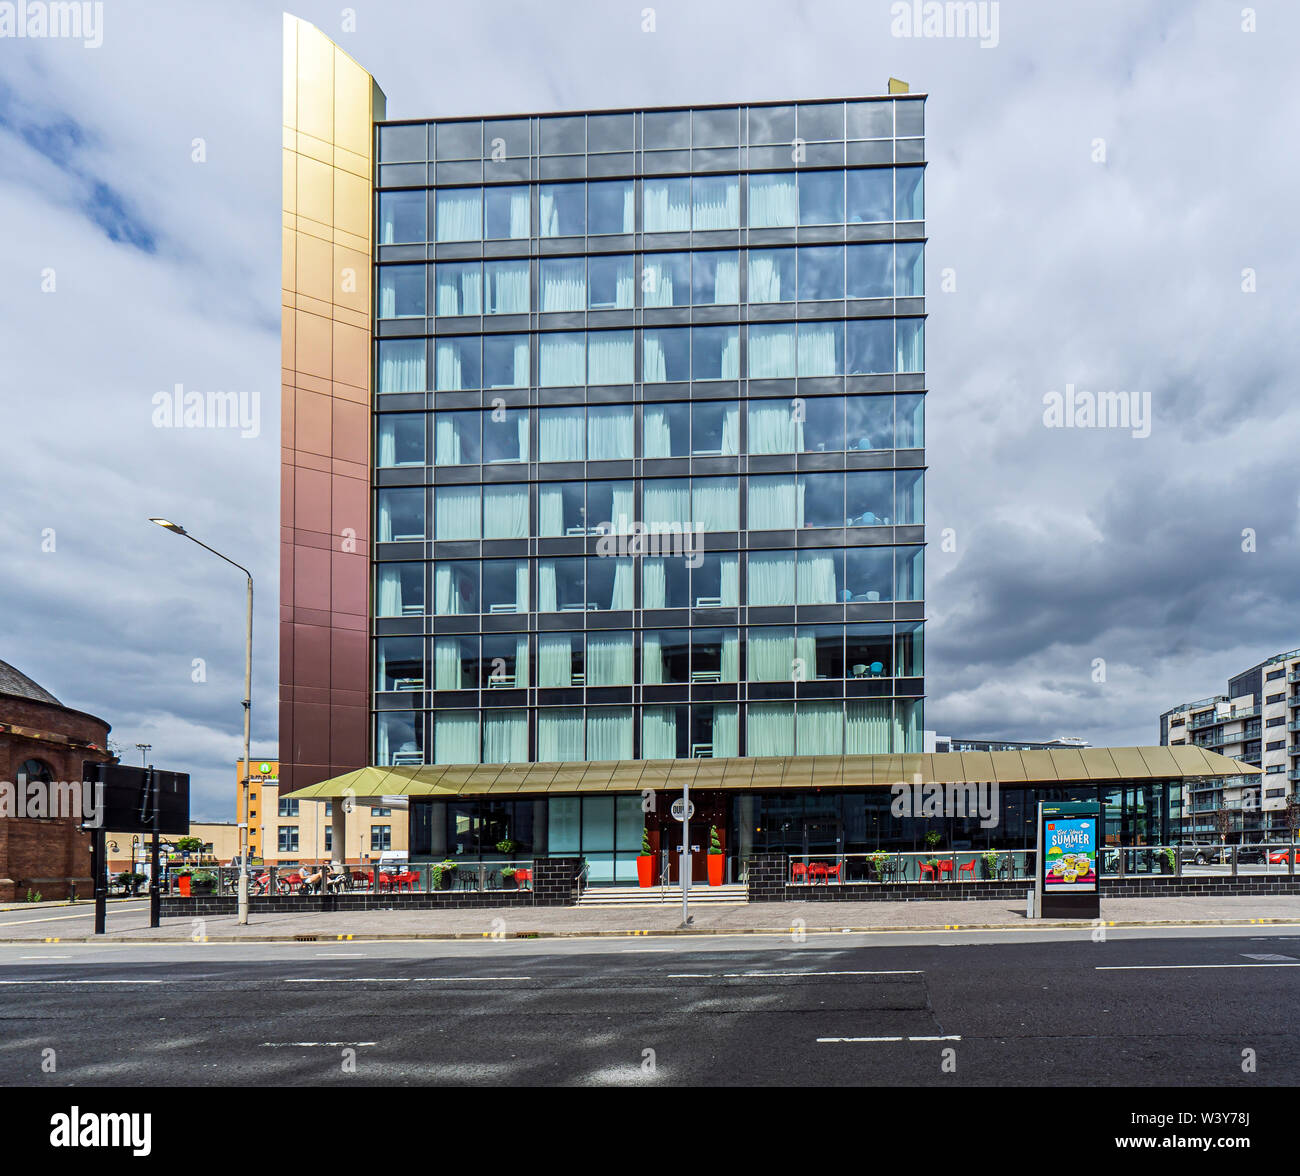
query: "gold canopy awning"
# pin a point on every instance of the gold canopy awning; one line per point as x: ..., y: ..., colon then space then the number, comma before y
x: 1058, y: 765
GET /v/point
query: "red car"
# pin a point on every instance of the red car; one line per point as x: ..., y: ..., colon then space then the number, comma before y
x: 1278, y: 858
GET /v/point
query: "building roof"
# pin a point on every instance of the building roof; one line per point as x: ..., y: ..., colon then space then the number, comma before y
x: 1052, y: 766
x: 17, y: 683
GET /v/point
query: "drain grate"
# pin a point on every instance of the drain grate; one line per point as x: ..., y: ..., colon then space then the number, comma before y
x: 306, y: 938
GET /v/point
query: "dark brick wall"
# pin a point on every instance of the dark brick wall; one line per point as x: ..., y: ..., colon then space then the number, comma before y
x: 555, y: 881
x: 767, y: 883
x: 226, y: 904
x: 43, y: 855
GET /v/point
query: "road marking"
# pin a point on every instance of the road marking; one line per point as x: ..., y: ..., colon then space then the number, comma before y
x: 1268, y: 956
x: 848, y: 1040
x: 763, y: 975
x: 14, y: 982
x: 61, y: 918
x: 339, y: 955
x: 398, y: 979
x: 643, y: 950
x: 1182, y: 967
x: 314, y: 1044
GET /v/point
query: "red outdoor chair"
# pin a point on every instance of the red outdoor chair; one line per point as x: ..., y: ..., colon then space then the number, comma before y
x: 833, y: 871
x: 385, y: 881
x: 523, y: 876
x: 968, y: 868
x: 817, y: 870
x: 799, y: 872
x: 924, y: 868
x: 945, y: 867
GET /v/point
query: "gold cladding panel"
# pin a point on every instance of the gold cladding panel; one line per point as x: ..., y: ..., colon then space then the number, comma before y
x: 315, y: 83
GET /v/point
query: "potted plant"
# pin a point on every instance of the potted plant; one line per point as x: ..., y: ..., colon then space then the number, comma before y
x: 189, y: 844
x: 184, y: 881
x: 645, y: 862
x: 507, y: 846
x: 716, y: 859
x: 130, y: 882
x: 203, y: 882
x: 1165, y: 859
x: 876, y: 865
x: 442, y: 875
x: 989, y: 863
x: 508, y: 879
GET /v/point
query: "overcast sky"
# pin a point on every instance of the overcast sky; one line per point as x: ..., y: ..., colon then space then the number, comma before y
x: 130, y: 267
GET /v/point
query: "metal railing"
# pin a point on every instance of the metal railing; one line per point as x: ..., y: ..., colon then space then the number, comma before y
x: 412, y: 878
x: 965, y: 865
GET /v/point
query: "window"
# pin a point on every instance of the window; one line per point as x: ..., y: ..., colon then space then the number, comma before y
x: 821, y: 198
x: 399, y: 665
x: 772, y: 275
x: 287, y: 839
x: 667, y: 355
x: 459, y: 213
x: 715, y: 279
x: 563, y: 210
x: 715, y: 202
x: 400, y: 440
x: 870, y: 194
x: 458, y: 289
x: 381, y: 838
x: 401, y: 365
x: 456, y: 363
x: 821, y: 273
x: 506, y: 213
x: 401, y: 217
x: 399, y: 590
x: 611, y: 207
x: 505, y: 361
x: 456, y: 439
x: 376, y: 811
x: 401, y: 514
x: 288, y: 807
x: 562, y: 359
x: 668, y: 206
x: 666, y: 279
x: 505, y: 287
x: 610, y: 282
x: 564, y: 284
x: 401, y: 291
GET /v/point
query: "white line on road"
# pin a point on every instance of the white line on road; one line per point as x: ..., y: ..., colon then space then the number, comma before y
x: 14, y: 982
x: 398, y: 979
x: 765, y: 975
x: 1182, y: 967
x: 60, y: 918
x: 313, y: 1044
x: 847, y: 1040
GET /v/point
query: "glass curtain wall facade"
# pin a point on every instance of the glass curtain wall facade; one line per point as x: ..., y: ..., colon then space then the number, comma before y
x: 649, y: 434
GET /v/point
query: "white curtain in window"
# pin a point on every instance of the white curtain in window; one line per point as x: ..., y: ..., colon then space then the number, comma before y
x: 561, y: 434
x: 819, y: 350
x: 659, y: 732
x: 550, y: 511
x: 458, y: 215
x: 610, y: 733
x: 731, y: 656
x: 401, y: 365
x: 521, y: 588
x: 609, y: 433
x: 609, y: 659
x: 870, y: 728
x: 521, y: 659
x: 447, y: 368
x: 624, y: 499
x: 446, y: 663
x: 727, y: 288
x: 610, y: 358
x: 389, y: 603
x: 817, y: 578
x: 657, y: 283
x: 562, y: 361
x: 519, y: 210
x: 446, y: 440
x: 772, y: 352
x: 730, y: 577
x: 716, y: 203
x: 775, y: 504
x: 765, y: 280
x: 715, y: 504
x: 564, y: 284
x: 770, y: 729
x: 819, y: 729
x: 771, y: 654
x: 667, y: 503
x: 621, y: 595
x: 652, y: 654
x: 459, y: 290
x: 731, y: 430
x: 731, y: 357
x: 771, y: 578
x: 658, y: 433
x: 654, y: 584
x: 505, y: 737
x: 773, y: 201
x: 447, y: 598
x: 549, y: 224
x: 726, y: 731
x: 654, y: 363
x: 554, y: 659
x: 507, y: 288
x: 456, y: 512
x: 547, y: 600
x: 774, y: 427
x: 455, y: 737
x: 805, y: 653
x: 518, y: 377
x: 387, y: 442
x: 559, y: 736
x: 505, y: 512
x: 667, y: 206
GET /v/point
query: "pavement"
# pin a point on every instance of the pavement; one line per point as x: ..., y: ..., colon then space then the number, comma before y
x: 128, y: 920
x: 1153, y: 1007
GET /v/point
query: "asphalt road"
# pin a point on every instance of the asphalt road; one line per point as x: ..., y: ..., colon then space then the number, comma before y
x: 1031, y: 1009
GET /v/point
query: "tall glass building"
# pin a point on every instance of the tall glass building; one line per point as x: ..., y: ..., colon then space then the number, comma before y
x: 649, y: 444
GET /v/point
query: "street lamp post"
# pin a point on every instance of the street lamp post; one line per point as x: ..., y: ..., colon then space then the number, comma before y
x: 144, y: 749
x: 177, y: 529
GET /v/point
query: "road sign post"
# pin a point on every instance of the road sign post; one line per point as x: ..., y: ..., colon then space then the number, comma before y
x: 684, y: 867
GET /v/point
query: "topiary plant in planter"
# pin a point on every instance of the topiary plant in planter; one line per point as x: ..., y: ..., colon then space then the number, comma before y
x: 645, y: 862
x: 716, y: 860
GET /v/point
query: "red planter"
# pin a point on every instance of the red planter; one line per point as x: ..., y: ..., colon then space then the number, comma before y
x: 645, y: 869
x: 717, y: 862
x: 184, y: 882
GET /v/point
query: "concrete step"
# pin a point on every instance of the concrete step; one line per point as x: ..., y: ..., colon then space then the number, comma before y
x: 636, y: 896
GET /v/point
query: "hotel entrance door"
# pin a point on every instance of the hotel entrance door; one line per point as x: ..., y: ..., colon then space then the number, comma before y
x: 666, y: 833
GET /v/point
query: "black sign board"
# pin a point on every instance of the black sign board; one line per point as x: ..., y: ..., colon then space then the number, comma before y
x: 141, y: 800
x: 1069, y: 864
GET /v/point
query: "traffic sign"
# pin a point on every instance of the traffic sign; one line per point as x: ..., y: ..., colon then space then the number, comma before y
x: 681, y: 813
